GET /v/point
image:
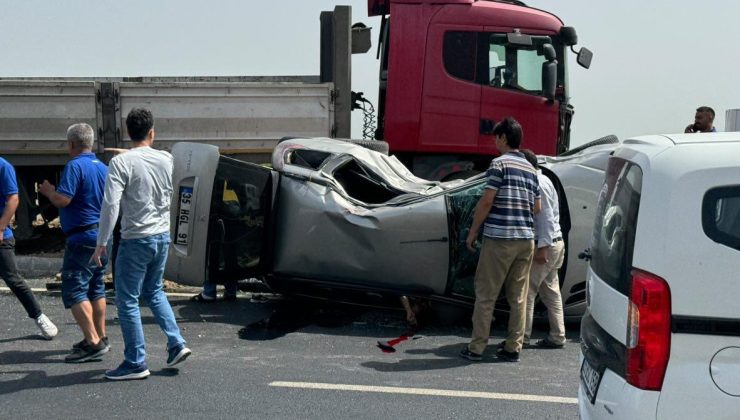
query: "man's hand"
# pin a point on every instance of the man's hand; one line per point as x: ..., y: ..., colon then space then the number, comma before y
x: 100, y: 251
x: 2, y: 234
x: 540, y: 256
x: 46, y: 188
x: 470, y: 241
x: 689, y: 128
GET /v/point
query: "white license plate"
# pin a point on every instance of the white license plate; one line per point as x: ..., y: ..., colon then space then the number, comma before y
x: 590, y: 379
x: 183, y: 216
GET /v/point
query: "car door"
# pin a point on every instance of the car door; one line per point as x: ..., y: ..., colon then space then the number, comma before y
x: 221, y: 217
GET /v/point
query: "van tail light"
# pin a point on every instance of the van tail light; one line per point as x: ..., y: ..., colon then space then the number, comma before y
x: 649, y: 331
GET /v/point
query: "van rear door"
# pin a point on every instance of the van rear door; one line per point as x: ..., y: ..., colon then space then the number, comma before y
x: 221, y: 216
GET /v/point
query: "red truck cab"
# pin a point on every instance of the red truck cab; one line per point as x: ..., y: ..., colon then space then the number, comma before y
x: 451, y: 69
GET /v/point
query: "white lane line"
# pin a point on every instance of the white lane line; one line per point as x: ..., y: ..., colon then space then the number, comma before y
x: 426, y: 391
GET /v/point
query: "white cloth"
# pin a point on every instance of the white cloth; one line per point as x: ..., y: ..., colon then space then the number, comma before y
x: 140, y: 181
x: 547, y: 221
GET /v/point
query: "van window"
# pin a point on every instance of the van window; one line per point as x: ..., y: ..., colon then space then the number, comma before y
x: 721, y: 215
x: 613, y: 238
x: 459, y: 54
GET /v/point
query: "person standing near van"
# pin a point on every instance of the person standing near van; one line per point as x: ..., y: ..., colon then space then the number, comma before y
x: 703, y: 121
x: 8, y: 268
x: 548, y: 258
x: 79, y: 197
x: 506, y: 208
x: 140, y: 182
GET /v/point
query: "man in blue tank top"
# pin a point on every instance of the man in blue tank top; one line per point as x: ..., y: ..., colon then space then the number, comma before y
x: 79, y: 197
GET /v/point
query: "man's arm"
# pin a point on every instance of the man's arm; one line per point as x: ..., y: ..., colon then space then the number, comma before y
x: 115, y: 182
x: 49, y: 191
x: 481, y: 212
x: 11, y: 204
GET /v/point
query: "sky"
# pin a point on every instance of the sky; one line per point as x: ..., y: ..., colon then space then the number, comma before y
x: 654, y: 61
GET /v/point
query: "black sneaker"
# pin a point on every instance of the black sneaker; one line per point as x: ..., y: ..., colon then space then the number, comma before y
x: 86, y: 352
x: 545, y: 343
x: 79, y: 344
x: 473, y: 357
x: 509, y: 356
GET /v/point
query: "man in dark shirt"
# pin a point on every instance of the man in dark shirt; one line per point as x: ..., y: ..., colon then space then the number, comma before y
x: 79, y: 198
x: 703, y: 121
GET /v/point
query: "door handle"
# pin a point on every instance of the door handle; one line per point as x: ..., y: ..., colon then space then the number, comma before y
x: 585, y: 255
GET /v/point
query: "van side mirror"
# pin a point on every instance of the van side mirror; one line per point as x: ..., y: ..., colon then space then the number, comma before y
x: 584, y: 57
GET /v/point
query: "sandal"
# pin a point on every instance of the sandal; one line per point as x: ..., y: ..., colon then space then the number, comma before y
x: 202, y: 299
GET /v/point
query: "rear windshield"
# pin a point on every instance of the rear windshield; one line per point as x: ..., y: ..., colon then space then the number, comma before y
x: 721, y: 215
x: 616, y: 219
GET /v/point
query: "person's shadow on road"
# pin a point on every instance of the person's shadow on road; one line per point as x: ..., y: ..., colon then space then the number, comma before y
x: 37, y: 379
x: 448, y: 357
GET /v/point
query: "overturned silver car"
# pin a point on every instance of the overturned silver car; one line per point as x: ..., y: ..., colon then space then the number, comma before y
x: 332, y: 219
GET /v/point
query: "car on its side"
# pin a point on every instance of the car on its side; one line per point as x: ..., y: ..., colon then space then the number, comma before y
x: 661, y: 335
x: 334, y: 220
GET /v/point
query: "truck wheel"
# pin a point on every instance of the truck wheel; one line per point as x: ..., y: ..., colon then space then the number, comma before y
x: 610, y: 139
x: 379, y: 146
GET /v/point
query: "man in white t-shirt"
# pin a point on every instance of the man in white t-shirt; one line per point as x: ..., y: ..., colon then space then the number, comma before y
x: 140, y: 183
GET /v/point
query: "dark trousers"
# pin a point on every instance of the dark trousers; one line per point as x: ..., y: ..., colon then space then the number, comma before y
x: 9, y: 273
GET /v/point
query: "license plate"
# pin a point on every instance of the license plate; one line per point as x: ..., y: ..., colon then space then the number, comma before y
x: 183, y: 216
x: 590, y: 379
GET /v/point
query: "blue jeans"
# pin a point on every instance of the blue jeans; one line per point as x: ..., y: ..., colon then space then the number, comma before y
x: 81, y: 279
x: 139, y: 269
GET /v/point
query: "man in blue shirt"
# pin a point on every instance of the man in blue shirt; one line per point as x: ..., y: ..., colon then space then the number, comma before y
x: 79, y: 198
x: 505, y: 210
x: 8, y: 269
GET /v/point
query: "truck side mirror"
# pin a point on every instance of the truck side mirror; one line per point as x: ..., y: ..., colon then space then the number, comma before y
x: 584, y: 57
x: 549, y: 78
x: 568, y: 35
x: 360, y: 38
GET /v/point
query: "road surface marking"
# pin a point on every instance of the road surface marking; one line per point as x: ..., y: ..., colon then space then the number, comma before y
x: 426, y: 391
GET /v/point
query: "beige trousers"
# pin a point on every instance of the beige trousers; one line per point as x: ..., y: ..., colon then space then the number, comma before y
x: 502, y: 263
x: 543, y: 280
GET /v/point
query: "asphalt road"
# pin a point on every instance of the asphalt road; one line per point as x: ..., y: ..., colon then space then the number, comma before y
x: 280, y: 359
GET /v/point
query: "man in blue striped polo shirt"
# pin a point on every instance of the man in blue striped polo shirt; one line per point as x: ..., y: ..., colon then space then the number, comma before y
x: 506, y: 210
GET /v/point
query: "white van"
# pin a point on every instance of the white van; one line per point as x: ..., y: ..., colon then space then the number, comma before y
x: 661, y: 334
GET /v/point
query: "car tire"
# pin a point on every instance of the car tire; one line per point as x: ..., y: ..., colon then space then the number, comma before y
x: 610, y: 139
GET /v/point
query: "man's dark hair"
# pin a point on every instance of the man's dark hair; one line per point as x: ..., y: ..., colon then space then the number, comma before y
x: 531, y: 157
x: 706, y: 109
x: 512, y: 129
x: 138, y: 123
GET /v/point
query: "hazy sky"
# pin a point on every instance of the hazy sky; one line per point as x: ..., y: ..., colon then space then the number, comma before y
x: 654, y: 61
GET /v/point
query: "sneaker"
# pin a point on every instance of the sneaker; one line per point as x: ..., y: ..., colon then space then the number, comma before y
x: 48, y: 329
x: 177, y: 354
x: 473, y: 357
x: 525, y: 345
x: 86, y: 352
x: 545, y: 343
x: 509, y: 356
x: 127, y: 371
x: 80, y: 343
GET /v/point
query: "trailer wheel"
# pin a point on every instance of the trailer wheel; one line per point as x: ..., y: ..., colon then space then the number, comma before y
x: 610, y: 139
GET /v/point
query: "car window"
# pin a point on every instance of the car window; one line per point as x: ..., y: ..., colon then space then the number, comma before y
x: 721, y: 215
x: 460, y: 209
x: 616, y: 220
x: 239, y: 206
